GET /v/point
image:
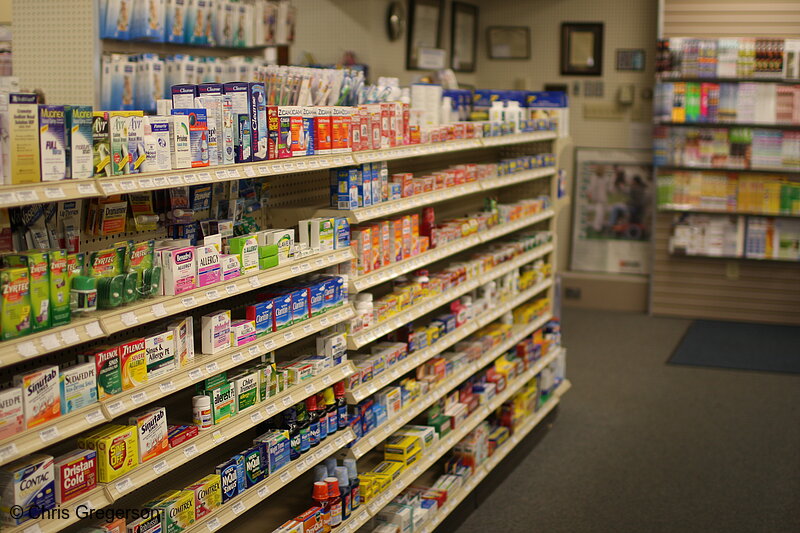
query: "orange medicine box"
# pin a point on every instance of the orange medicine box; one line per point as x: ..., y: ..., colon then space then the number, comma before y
x: 396, y: 239
x: 363, y: 242
x: 377, y: 246
x: 322, y: 131
x: 406, y: 237
x: 385, y: 242
x: 415, y: 234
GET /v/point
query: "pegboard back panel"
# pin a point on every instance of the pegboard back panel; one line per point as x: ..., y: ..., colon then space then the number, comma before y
x: 56, y: 49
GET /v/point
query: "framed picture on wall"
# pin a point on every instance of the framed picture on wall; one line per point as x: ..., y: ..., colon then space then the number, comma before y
x: 508, y: 42
x: 425, y: 18
x: 581, y: 49
x: 630, y: 59
x: 463, y: 37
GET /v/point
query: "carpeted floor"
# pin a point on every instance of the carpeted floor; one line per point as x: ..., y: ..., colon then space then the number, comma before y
x: 640, y: 445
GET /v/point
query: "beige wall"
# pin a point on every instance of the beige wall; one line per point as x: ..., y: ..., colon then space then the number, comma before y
x: 5, y: 11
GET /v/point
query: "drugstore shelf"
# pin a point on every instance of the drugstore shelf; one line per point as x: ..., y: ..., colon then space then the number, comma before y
x: 41, y: 192
x: 383, y: 209
x: 209, y: 439
x: 689, y: 208
x: 103, y: 323
x: 358, y: 284
x: 511, y: 227
x: 114, y: 46
x: 379, y: 434
x: 357, y: 394
x: 94, y: 499
x: 787, y: 81
x: 453, y: 501
x: 408, y: 476
x: 754, y: 125
x: 66, y: 426
x: 361, y: 338
x: 695, y: 168
x: 742, y: 257
x: 235, y: 507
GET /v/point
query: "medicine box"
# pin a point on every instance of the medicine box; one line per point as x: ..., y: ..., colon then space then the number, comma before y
x: 117, y: 452
x: 160, y: 354
x: 179, y: 270
x: 20, y: 140
x: 216, y: 332
x: 12, y: 419
x: 255, y: 466
x: 75, y: 474
x: 151, y: 427
x: 223, y: 402
x: 52, y: 139
x: 242, y: 332
x: 78, y: 387
x: 246, y: 389
x: 29, y: 484
x: 183, y: 332
x: 41, y: 396
x: 231, y: 475
x: 207, y: 495
x: 178, y: 511
x: 133, y: 363
x: 107, y: 370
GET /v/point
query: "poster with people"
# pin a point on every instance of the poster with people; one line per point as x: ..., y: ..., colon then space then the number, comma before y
x: 612, y: 217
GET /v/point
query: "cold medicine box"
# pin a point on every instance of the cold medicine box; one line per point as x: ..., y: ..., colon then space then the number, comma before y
x: 28, y: 483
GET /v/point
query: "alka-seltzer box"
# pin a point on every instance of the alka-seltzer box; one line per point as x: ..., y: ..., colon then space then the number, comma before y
x: 208, y: 266
x: 179, y: 270
x: 12, y: 415
x: 133, y: 363
x: 41, y: 398
x: 216, y: 332
x: 75, y: 474
x: 160, y: 354
x: 151, y: 427
x: 79, y: 142
x: 19, y: 121
x: 246, y: 389
x: 207, y: 495
x: 78, y: 386
x: 108, y: 370
x: 231, y: 475
x: 29, y: 484
x: 198, y: 134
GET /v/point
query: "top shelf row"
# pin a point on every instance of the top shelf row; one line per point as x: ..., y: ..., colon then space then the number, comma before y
x: 40, y: 192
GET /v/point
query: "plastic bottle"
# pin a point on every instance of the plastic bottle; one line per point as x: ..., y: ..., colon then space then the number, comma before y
x: 458, y: 309
x: 330, y: 467
x: 201, y: 412
x: 341, y: 404
x: 331, y: 413
x: 335, y: 501
x: 303, y: 424
x: 344, y: 491
x: 512, y: 115
x: 320, y: 472
x: 365, y: 309
x: 291, y: 423
x: 467, y: 302
x: 320, y: 495
x: 424, y: 280
x: 354, y: 482
x: 496, y: 111
x: 323, y: 422
x: 313, y: 421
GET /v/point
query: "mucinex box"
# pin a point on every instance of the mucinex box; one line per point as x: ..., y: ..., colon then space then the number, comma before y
x: 28, y: 483
x: 12, y: 418
x: 78, y: 385
x: 75, y: 474
x: 79, y: 142
x: 52, y: 141
x: 151, y: 428
x: 41, y: 398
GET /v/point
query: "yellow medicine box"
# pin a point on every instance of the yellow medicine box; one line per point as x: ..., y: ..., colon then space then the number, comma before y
x: 391, y: 468
x: 117, y: 453
x: 401, y: 448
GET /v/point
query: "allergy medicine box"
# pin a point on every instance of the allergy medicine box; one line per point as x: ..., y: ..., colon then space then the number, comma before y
x: 41, y: 397
x: 76, y: 473
x: 28, y: 483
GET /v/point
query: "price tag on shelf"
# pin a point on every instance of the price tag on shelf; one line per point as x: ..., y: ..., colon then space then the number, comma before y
x: 326, y: 380
x: 295, y: 269
x: 269, y: 345
x: 319, y: 262
x: 108, y: 188
x: 324, y: 161
x: 115, y: 407
x: 234, y: 173
x: 309, y: 462
x: 313, y: 163
x: 50, y: 342
x: 288, y: 336
x: 301, y: 165
x: 339, y: 442
x: 54, y: 193
x: 289, y: 167
x: 33, y: 528
x: 308, y: 328
x: 204, y: 177
x: 175, y: 180
x: 285, y: 477
x: 8, y: 451
x: 276, y: 168
x: 337, y: 161
x: 212, y: 368
x: 190, y: 178
x: 373, y: 442
x: 253, y: 351
x: 189, y: 301
x: 123, y: 485
x: 160, y: 467
x: 190, y: 451
x: 251, y: 173
x: 328, y: 449
x: 167, y: 387
x: 27, y: 349
x: 305, y: 267
x: 139, y: 397
x: 309, y: 388
x: 324, y: 321
x: 8, y: 198
x: 238, y: 507
x: 160, y: 181
x: 271, y: 409
x: 217, y: 437
x: 129, y: 318
x: 212, y: 294
x: 213, y: 524
x: 46, y: 435
x: 146, y: 183
x: 195, y: 374
x: 255, y: 281
x: 263, y: 170
x: 158, y: 310
x: 318, y: 455
x: 231, y: 288
x: 263, y: 492
x: 221, y: 174
x: 288, y: 400
x: 93, y: 417
x: 256, y: 417
x: 87, y: 188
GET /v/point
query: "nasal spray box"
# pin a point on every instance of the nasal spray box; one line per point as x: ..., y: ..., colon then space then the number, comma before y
x: 137, y: 154
x: 27, y: 484
x: 75, y: 474
x: 180, y: 149
x: 80, y: 142
x: 19, y: 143
x: 101, y: 144
x: 258, y: 121
x: 183, y: 95
x: 151, y: 428
x: 41, y: 398
x: 78, y: 386
x: 198, y: 135
x: 239, y: 106
x: 52, y: 140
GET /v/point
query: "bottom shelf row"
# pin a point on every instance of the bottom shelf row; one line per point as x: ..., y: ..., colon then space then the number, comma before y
x: 403, y: 490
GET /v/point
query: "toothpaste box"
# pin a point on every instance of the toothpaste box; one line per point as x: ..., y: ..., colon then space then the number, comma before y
x: 78, y: 386
x: 223, y: 402
x: 183, y: 333
x: 216, y: 332
x: 300, y: 305
x: 160, y: 354
x: 231, y: 475
x: 282, y: 312
x: 179, y: 270
x: 41, y: 398
x: 12, y: 417
x: 207, y: 495
x: 108, y: 370
x: 133, y: 363
x: 151, y: 427
x: 75, y: 474
x: 28, y: 483
x: 117, y: 452
x: 261, y: 314
x: 15, y: 305
x: 246, y: 388
x: 256, y: 466
x: 208, y: 266
x: 242, y: 332
x: 52, y: 140
x: 79, y: 143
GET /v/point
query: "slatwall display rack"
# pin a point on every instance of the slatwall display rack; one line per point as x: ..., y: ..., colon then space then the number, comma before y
x: 284, y: 184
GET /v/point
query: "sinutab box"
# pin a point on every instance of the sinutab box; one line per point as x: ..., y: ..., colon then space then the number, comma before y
x: 41, y: 397
x: 28, y: 484
x: 151, y: 428
x: 75, y: 474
